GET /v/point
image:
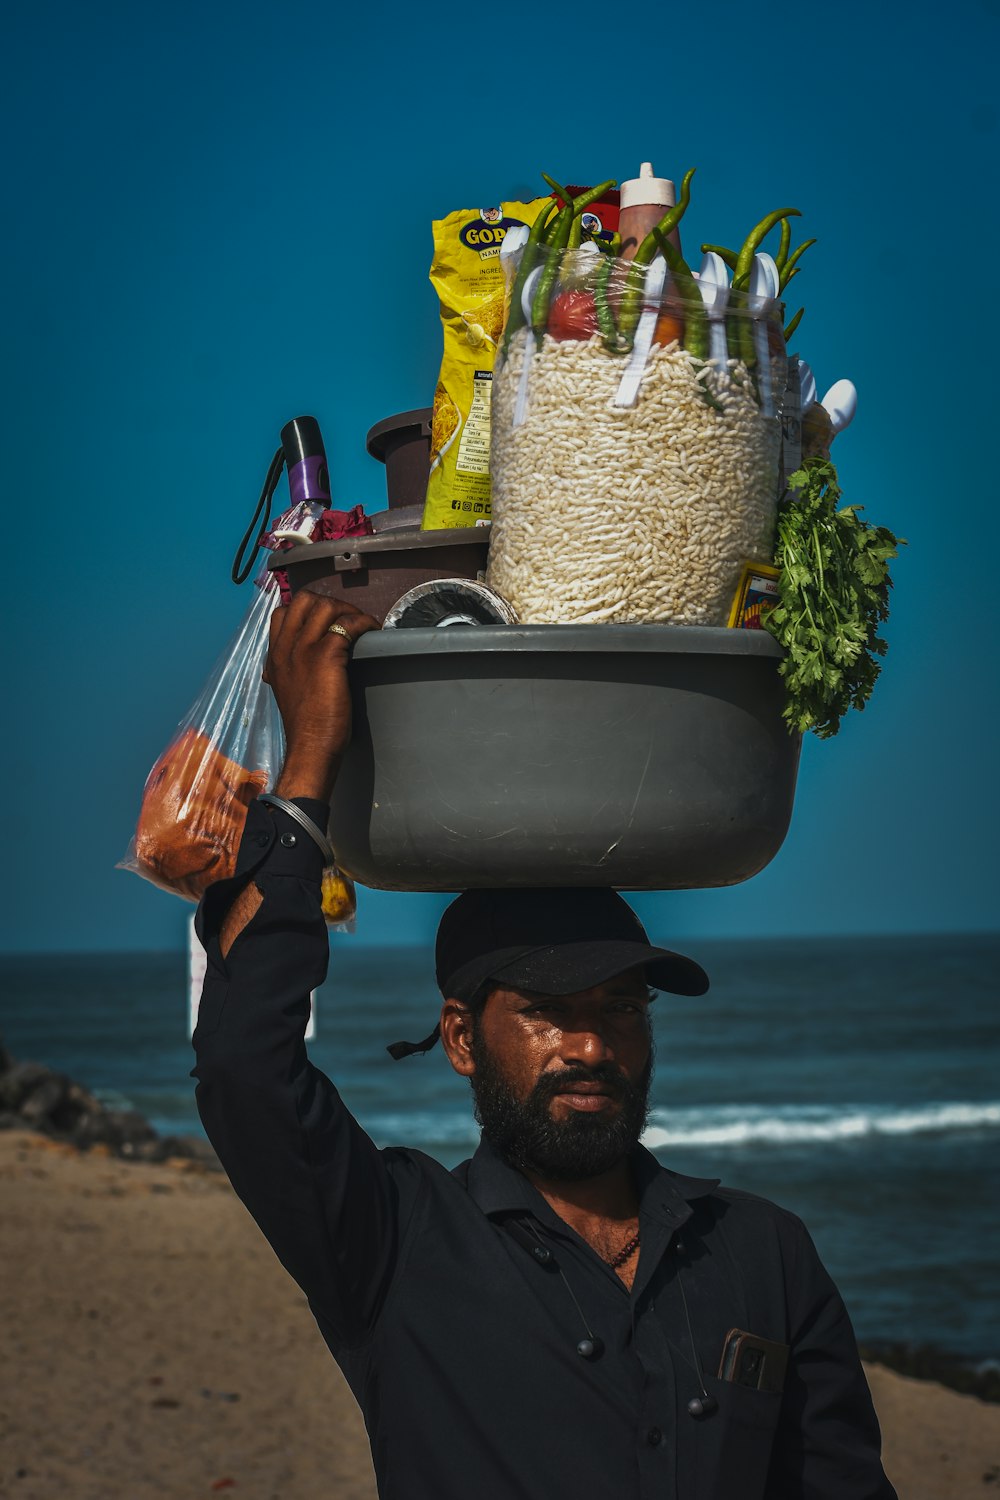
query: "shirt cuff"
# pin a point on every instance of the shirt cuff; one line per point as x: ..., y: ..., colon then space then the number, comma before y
x: 272, y: 844
x: 275, y: 844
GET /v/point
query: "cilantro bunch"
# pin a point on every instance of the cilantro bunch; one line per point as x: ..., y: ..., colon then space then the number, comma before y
x: 833, y: 596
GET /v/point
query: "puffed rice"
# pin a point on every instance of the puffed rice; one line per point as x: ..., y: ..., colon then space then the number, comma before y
x: 635, y: 514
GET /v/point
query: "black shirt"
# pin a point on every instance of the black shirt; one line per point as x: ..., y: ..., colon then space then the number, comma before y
x: 459, y: 1342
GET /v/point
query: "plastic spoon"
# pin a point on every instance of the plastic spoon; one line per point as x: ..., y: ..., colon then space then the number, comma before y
x: 527, y: 298
x: 765, y: 284
x: 514, y: 240
x: 807, y: 386
x: 299, y: 523
x: 713, y: 283
x: 652, y: 295
x: 512, y: 244
x: 841, y: 403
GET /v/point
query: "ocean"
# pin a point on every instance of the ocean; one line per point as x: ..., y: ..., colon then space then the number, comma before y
x: 853, y: 1080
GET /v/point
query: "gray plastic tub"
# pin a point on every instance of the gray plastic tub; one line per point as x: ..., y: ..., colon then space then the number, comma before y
x: 647, y: 757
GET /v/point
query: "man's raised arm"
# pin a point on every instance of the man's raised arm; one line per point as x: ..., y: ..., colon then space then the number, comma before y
x: 305, y: 1169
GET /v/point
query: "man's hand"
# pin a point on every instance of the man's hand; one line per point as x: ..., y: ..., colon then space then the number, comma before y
x: 307, y: 670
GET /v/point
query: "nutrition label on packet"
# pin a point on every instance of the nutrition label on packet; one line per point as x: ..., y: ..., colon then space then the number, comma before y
x: 474, y: 444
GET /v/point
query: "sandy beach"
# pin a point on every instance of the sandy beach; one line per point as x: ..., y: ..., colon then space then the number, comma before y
x: 152, y: 1346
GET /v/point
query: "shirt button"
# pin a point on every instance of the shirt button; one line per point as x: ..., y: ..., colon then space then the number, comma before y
x: 654, y: 1437
x: 288, y: 840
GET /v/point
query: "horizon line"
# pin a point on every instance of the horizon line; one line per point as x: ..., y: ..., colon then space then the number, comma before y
x: 369, y: 946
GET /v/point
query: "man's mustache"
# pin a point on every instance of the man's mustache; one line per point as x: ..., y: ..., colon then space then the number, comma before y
x: 612, y: 1078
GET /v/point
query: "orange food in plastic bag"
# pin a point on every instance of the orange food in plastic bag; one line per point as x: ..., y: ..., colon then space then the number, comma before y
x: 194, y: 809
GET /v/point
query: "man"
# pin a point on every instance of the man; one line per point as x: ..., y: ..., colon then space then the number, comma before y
x: 561, y: 1316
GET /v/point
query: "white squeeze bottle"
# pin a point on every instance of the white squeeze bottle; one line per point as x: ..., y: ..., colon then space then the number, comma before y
x: 644, y: 201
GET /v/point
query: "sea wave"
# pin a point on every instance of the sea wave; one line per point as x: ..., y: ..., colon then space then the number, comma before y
x: 788, y: 1124
x: 724, y: 1125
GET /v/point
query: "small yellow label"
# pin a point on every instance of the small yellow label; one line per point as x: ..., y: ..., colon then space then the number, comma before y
x: 756, y: 593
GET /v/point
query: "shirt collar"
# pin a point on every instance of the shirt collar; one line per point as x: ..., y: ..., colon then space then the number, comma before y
x: 663, y: 1194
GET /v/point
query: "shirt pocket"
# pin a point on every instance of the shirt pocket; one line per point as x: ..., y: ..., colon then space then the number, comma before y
x: 735, y: 1442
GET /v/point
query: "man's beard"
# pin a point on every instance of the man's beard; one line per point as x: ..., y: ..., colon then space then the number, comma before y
x: 525, y: 1135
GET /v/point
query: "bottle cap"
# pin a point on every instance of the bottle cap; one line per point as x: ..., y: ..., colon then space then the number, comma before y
x: 648, y: 189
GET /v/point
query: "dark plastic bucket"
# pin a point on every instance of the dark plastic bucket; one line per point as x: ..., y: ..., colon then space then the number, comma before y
x: 647, y: 757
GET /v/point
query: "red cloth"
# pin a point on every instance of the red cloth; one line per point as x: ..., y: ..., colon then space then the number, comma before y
x: 331, y: 526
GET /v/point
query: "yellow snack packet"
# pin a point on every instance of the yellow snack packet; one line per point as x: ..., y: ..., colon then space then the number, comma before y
x: 468, y: 277
x: 756, y: 593
x: 340, y: 902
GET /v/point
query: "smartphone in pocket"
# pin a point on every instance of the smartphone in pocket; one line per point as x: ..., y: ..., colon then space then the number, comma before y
x: 754, y: 1362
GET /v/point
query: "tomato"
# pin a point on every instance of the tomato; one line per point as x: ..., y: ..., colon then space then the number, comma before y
x: 669, y: 328
x: 573, y: 316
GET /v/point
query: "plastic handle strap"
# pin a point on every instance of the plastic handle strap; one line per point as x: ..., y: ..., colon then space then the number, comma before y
x: 258, y: 528
x: 628, y: 389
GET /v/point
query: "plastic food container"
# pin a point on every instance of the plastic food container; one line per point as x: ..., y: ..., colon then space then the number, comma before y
x: 639, y: 756
x: 403, y: 443
x: 630, y: 487
x: 372, y: 572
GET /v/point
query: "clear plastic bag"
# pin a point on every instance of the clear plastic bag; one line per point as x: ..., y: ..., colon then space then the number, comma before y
x: 227, y: 750
x: 635, y: 443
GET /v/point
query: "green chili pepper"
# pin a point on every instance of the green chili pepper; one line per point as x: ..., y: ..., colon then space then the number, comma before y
x: 729, y: 256
x: 631, y: 304
x: 794, y: 324
x: 739, y: 328
x: 605, y: 317
x: 584, y: 200
x: 744, y: 262
x: 550, y: 270
x: 550, y: 235
x: 789, y: 268
x: 551, y: 224
x: 557, y: 188
x: 592, y: 195
x: 735, y: 310
x: 575, y: 232
x: 555, y: 246
x: 668, y: 223
x: 784, y: 243
x: 529, y: 259
x: 695, y: 316
x: 744, y: 332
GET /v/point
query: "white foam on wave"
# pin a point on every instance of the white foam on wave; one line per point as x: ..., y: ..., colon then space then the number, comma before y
x: 786, y: 1124
x: 727, y: 1125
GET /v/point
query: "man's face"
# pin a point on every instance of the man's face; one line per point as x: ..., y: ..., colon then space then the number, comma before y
x: 561, y: 1082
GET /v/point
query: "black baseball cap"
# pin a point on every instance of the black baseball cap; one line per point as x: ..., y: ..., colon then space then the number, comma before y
x: 553, y: 941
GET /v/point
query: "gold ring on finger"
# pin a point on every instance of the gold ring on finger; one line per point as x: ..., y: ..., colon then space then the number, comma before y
x: 337, y: 629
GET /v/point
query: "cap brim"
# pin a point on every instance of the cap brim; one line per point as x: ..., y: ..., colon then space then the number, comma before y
x: 568, y: 968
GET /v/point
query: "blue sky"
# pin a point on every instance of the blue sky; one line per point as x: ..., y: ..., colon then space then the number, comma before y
x: 219, y: 217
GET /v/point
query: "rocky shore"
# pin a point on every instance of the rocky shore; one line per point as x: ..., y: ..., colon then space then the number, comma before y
x: 36, y: 1097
